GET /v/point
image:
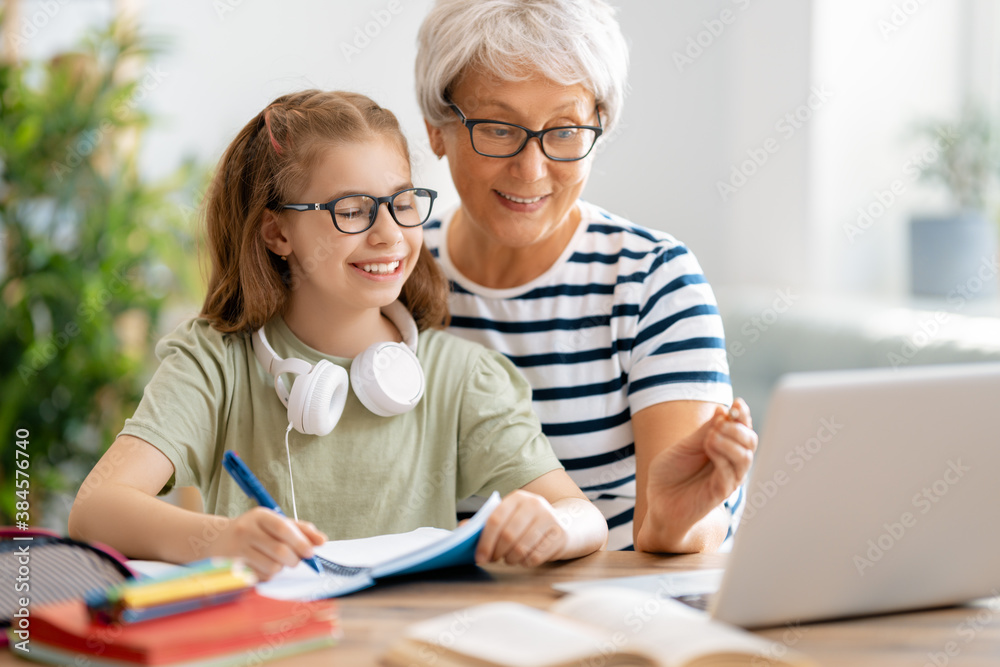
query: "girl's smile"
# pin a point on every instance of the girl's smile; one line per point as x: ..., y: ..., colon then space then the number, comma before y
x: 381, y: 269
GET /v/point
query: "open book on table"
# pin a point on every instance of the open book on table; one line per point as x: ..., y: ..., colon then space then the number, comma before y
x: 597, y: 626
x: 351, y: 565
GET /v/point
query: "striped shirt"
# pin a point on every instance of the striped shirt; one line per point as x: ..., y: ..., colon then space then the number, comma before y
x: 623, y: 320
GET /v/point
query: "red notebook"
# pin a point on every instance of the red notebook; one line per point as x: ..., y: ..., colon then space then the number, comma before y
x: 255, y: 625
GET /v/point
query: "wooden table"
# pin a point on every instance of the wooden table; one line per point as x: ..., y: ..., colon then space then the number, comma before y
x: 372, y: 619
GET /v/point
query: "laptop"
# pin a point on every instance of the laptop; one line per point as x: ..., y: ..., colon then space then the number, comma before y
x: 872, y: 491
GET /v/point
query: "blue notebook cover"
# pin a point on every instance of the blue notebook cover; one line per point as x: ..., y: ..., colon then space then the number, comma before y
x: 454, y: 549
x: 459, y: 548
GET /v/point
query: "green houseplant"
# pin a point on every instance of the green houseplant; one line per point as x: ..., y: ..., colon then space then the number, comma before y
x: 953, y: 255
x: 92, y: 254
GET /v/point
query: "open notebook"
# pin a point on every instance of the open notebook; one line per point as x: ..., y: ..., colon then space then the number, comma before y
x: 351, y: 565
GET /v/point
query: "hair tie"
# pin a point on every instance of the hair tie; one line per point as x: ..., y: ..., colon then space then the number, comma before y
x: 267, y: 122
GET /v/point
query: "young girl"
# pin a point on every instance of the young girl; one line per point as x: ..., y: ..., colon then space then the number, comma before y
x: 314, y: 232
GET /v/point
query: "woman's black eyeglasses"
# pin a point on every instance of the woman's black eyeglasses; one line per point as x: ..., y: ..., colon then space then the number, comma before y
x: 353, y: 214
x: 494, y: 138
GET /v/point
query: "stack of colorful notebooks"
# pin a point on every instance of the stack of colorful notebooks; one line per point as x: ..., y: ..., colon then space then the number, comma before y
x: 208, y: 616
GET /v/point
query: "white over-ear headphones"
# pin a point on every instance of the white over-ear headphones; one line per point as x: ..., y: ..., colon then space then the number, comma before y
x: 386, y: 378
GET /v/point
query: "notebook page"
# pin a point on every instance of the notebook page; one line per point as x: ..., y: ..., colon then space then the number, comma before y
x: 371, y: 551
x: 302, y: 583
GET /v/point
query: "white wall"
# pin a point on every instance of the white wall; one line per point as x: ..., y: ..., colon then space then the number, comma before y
x: 686, y: 125
x: 231, y: 61
x: 659, y: 167
x: 812, y: 105
x: 864, y: 152
x: 771, y: 115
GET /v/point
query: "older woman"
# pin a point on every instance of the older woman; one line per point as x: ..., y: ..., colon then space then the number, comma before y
x: 613, y: 324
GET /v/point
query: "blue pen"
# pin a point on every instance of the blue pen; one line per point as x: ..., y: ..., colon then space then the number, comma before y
x: 252, y: 487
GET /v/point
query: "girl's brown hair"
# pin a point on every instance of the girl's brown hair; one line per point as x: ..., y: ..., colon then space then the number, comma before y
x: 249, y: 284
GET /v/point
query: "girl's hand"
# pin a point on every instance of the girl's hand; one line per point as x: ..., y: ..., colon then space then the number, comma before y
x: 267, y: 541
x: 523, y: 530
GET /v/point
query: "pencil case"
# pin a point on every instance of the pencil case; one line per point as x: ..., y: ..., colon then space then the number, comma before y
x: 196, y: 586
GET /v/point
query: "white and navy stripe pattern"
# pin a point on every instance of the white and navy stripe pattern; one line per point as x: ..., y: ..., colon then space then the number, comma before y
x: 623, y: 320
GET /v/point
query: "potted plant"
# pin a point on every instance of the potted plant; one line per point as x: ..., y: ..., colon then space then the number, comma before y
x: 953, y: 255
x: 91, y: 254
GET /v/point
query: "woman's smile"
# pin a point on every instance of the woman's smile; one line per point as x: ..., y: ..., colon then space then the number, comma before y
x: 522, y: 204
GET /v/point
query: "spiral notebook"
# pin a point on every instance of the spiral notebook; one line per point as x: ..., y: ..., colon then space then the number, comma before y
x: 353, y: 565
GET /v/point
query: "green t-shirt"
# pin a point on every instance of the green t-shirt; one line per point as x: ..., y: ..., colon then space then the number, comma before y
x: 473, y: 432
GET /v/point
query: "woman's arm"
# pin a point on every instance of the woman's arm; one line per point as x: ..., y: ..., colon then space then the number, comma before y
x: 547, y: 519
x: 117, y: 505
x: 690, y: 457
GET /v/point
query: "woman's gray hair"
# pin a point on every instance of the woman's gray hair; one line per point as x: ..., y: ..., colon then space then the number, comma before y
x: 567, y: 41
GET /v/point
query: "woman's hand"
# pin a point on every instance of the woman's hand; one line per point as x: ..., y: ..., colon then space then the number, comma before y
x: 267, y: 541
x: 693, y: 477
x: 524, y: 529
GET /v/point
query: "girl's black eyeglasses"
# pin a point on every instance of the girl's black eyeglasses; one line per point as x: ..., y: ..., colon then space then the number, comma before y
x: 353, y: 214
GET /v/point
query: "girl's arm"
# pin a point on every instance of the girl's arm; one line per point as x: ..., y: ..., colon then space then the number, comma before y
x: 117, y: 505
x: 547, y: 519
